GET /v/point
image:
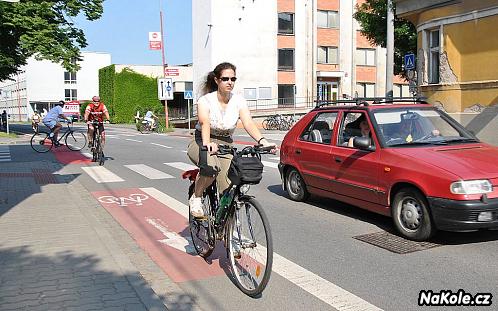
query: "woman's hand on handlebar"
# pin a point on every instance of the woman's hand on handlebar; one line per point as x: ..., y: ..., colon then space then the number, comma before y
x: 266, y: 144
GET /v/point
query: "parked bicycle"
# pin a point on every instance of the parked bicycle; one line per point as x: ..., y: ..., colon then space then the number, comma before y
x: 97, y: 148
x: 278, y: 122
x: 42, y: 142
x: 144, y: 126
x: 238, y: 219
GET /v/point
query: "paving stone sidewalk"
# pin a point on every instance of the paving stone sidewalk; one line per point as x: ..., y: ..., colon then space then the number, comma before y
x: 59, y: 250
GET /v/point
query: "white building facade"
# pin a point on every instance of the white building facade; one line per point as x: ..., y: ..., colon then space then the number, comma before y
x: 288, y: 53
x: 41, y: 84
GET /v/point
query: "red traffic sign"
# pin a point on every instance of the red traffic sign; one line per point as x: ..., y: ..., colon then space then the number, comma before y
x: 154, y: 45
x: 171, y: 72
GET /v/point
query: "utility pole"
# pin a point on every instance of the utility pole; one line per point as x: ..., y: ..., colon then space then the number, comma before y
x: 390, y: 49
x: 164, y: 63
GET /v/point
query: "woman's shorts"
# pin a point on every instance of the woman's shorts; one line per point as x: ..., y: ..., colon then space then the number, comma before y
x: 211, y: 165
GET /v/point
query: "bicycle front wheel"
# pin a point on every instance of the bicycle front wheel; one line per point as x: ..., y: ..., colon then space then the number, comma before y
x: 250, y: 247
x: 75, y: 141
x: 41, y: 142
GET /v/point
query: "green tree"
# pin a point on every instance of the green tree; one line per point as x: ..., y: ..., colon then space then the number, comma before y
x: 372, y: 17
x: 44, y: 29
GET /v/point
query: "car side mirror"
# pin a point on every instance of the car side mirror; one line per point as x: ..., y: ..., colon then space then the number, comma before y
x: 363, y: 143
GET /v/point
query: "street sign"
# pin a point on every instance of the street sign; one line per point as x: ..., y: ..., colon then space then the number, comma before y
x: 171, y: 72
x: 165, y: 88
x: 154, y: 40
x: 187, y: 95
x: 410, y: 61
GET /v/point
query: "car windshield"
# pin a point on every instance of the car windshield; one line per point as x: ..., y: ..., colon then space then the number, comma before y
x: 419, y: 127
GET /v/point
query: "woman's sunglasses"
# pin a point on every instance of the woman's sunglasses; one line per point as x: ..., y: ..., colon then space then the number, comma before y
x: 225, y: 79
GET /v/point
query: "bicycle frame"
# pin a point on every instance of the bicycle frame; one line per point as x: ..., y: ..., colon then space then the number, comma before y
x: 68, y: 131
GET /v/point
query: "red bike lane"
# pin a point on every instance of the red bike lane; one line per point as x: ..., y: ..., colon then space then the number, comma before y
x: 162, y: 233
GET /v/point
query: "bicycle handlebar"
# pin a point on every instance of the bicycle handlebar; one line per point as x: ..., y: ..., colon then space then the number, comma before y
x: 248, y: 150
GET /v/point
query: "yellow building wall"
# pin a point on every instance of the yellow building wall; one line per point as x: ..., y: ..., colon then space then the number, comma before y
x: 471, y: 48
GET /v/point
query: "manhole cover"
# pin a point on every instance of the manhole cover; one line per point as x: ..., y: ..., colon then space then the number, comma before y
x: 394, y: 243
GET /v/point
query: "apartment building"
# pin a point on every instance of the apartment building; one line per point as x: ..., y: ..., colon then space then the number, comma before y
x: 41, y: 84
x: 289, y: 53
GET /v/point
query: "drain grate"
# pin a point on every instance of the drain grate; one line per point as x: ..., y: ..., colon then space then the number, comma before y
x: 394, y: 243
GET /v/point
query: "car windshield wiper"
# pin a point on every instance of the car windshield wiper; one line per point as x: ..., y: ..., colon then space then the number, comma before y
x: 462, y: 140
x: 415, y: 143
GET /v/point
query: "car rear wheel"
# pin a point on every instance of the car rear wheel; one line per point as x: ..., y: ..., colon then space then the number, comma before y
x: 411, y: 215
x: 296, y: 188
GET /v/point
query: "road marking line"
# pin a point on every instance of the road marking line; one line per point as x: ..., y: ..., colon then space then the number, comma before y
x: 168, y: 147
x: 147, y: 171
x: 101, y: 175
x: 324, y: 290
x: 127, y: 135
x: 270, y: 164
x: 5, y: 160
x: 87, y: 154
x: 112, y: 137
x: 181, y: 166
x: 274, y: 158
x: 138, y: 141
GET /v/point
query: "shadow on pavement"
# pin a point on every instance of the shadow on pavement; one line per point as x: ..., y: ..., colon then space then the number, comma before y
x: 66, y: 280
x: 385, y: 223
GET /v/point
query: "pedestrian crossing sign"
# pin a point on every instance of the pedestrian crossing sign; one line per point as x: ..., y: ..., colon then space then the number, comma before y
x: 187, y: 95
x: 410, y: 61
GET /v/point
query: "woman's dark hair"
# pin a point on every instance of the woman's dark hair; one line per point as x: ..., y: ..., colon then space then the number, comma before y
x: 210, y: 84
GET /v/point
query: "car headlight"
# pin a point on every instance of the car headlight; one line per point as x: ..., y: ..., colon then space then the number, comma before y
x: 244, y: 188
x: 471, y: 187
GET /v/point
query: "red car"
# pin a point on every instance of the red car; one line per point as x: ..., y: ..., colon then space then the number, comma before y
x: 400, y: 158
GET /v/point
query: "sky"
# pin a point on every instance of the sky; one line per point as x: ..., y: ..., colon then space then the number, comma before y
x: 123, y: 31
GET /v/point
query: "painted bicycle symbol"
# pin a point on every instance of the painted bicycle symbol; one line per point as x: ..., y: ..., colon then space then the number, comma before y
x: 132, y: 199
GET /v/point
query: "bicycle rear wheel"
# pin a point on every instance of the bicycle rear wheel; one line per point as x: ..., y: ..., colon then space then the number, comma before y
x: 41, y: 142
x: 201, y: 230
x: 75, y: 141
x: 250, y: 247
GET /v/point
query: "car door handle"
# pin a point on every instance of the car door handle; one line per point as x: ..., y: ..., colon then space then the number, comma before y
x: 298, y: 151
x: 338, y: 160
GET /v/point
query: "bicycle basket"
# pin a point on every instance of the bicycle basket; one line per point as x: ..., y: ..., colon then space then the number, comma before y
x: 245, y: 170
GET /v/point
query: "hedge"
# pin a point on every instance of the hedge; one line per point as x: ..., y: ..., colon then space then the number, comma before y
x: 126, y: 92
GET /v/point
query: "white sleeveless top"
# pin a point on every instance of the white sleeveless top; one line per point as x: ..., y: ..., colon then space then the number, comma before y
x: 223, y: 123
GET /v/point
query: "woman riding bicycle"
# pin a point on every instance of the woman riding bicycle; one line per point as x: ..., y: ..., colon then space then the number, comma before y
x: 218, y: 111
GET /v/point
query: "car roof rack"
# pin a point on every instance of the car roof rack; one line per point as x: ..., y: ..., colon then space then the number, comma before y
x: 366, y: 101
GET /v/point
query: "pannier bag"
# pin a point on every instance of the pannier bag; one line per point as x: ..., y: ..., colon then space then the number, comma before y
x: 245, y: 170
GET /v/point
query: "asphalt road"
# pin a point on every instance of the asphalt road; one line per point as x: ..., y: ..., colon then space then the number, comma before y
x: 326, y: 263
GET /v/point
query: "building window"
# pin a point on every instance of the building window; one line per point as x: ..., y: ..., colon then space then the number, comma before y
x: 286, y: 59
x: 327, y: 19
x: 286, y: 23
x: 401, y: 90
x: 265, y: 93
x: 327, y: 55
x: 365, y: 57
x: 250, y: 93
x: 70, y: 94
x: 433, y: 69
x: 365, y: 89
x: 285, y: 94
x: 70, y: 77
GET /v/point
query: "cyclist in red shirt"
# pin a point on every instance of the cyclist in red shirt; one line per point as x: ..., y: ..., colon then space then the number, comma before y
x: 96, y: 111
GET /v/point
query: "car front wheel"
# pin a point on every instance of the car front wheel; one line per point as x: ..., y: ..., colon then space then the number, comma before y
x: 411, y: 215
x: 296, y: 188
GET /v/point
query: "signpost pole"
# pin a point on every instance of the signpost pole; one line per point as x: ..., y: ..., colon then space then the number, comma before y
x: 164, y: 65
x: 188, y: 111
